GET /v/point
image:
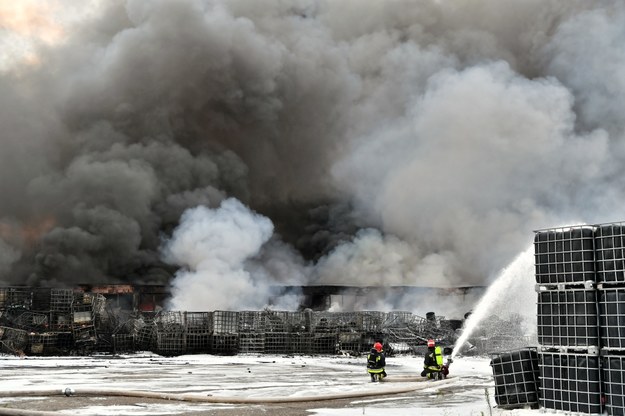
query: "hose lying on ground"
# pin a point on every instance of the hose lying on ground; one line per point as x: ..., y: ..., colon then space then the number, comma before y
x: 188, y: 397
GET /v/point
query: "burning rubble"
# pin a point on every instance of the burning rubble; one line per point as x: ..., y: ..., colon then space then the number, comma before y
x: 37, y: 321
x: 123, y: 319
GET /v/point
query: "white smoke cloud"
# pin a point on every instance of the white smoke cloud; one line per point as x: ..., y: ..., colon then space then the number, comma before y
x: 464, y: 168
x: 578, y: 59
x: 372, y: 259
x: 212, y: 246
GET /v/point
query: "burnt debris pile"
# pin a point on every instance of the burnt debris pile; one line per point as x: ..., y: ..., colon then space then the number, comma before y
x: 51, y: 321
x: 37, y: 321
x: 579, y: 364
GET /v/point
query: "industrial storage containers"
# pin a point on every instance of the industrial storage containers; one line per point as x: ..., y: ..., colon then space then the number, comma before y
x: 516, y: 378
x: 570, y: 382
x: 580, y: 276
x: 565, y: 255
x: 610, y: 259
x: 580, y: 284
x: 568, y: 319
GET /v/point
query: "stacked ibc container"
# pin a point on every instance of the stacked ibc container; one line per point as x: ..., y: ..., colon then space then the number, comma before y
x: 568, y: 320
x: 610, y: 253
x: 516, y: 378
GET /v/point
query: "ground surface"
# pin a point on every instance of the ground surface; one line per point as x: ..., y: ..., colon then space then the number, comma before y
x: 254, y: 377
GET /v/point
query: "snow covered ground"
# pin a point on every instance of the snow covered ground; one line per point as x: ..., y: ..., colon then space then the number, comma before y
x: 259, y: 376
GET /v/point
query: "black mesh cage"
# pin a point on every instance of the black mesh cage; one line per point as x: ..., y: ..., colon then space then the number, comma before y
x: 614, y: 384
x: 612, y: 318
x: 570, y: 382
x: 565, y: 255
x: 568, y: 318
x: 516, y: 377
x: 610, y: 253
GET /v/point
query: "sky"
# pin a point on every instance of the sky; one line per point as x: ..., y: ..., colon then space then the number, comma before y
x: 226, y: 147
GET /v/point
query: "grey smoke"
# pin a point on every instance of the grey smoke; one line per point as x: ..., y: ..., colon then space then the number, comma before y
x: 212, y: 246
x: 412, y: 142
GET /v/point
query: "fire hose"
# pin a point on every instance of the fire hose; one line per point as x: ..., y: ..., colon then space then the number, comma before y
x: 197, y: 398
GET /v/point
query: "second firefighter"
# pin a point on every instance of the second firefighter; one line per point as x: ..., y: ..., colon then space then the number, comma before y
x: 376, y: 361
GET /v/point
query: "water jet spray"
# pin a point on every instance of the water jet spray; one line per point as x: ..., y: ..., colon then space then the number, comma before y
x: 504, y: 290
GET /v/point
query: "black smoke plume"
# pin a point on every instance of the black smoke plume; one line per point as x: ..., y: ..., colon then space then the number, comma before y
x: 414, y: 142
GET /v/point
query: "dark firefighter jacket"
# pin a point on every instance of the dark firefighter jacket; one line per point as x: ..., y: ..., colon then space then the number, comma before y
x: 375, y: 362
x: 433, y: 359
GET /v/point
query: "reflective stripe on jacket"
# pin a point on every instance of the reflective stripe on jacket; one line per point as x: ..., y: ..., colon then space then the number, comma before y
x: 434, y: 359
x: 375, y: 362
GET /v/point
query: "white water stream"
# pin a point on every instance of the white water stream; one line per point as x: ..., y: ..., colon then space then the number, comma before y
x: 512, y: 292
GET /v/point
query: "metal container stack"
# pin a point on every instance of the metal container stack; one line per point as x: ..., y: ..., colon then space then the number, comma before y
x: 568, y: 320
x: 610, y: 249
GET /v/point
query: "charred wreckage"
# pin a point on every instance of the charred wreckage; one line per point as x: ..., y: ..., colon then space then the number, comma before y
x: 124, y: 319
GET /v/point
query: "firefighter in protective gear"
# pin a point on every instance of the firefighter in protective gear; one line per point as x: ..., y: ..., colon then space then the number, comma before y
x: 376, y: 361
x: 433, y: 362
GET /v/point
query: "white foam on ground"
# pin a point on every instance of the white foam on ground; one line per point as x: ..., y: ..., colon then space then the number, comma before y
x: 258, y: 376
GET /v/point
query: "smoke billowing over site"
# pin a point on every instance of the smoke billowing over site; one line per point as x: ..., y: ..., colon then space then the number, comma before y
x: 229, y: 146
